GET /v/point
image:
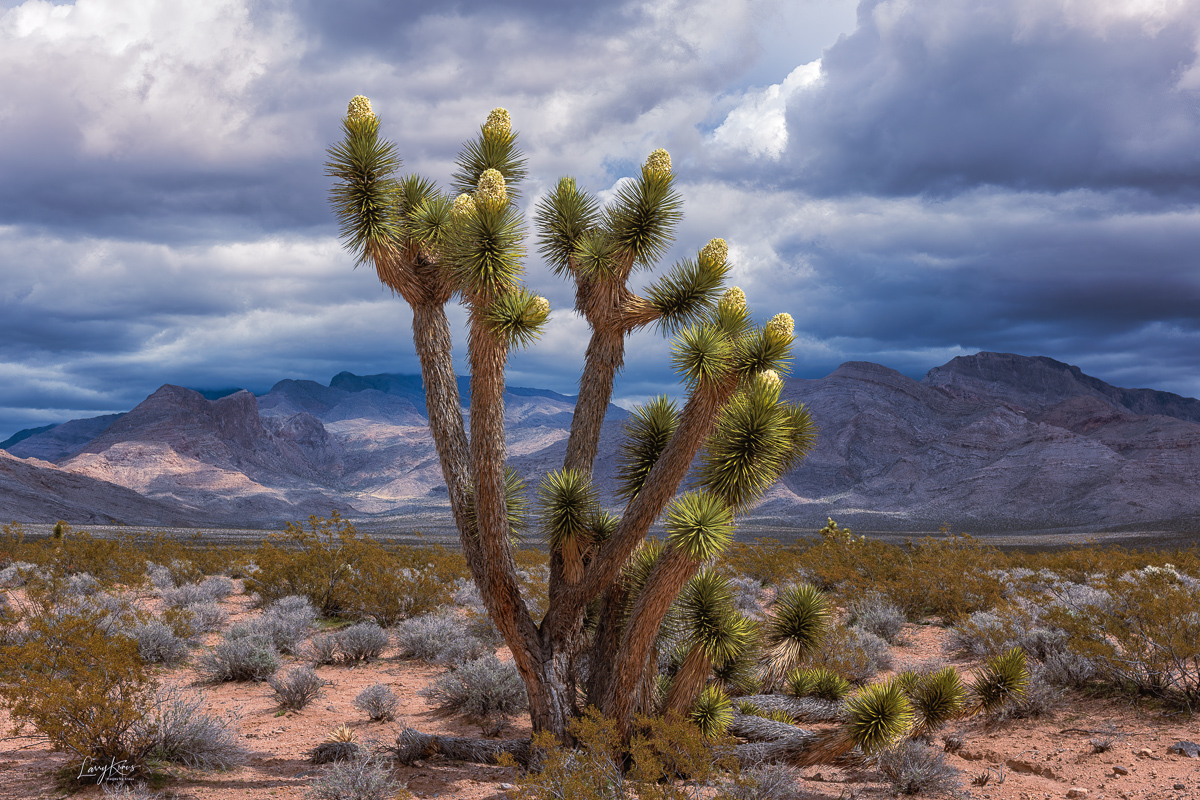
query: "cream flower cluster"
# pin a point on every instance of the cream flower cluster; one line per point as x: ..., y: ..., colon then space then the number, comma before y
x: 540, y: 307
x: 360, y: 108
x: 770, y: 379
x: 498, y: 121
x: 716, y: 251
x: 659, y: 161
x: 491, y: 187
x: 781, y: 326
x: 734, y: 298
x: 463, y: 204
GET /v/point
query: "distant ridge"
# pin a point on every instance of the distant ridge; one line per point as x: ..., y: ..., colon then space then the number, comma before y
x: 989, y: 442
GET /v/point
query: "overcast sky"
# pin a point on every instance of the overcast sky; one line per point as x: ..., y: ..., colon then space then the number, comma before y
x: 911, y: 179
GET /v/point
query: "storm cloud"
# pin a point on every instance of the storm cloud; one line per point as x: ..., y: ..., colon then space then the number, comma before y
x: 912, y: 181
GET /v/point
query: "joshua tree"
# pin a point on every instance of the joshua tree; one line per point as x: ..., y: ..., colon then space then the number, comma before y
x: 618, y: 604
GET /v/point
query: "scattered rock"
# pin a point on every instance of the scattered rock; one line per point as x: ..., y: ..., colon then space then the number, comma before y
x: 1017, y: 765
x: 1179, y: 786
x: 506, y: 787
x: 1189, y: 749
x: 1077, y: 791
x: 1119, y: 770
x: 1144, y: 753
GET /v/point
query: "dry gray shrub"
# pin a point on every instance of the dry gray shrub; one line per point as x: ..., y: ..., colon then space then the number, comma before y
x: 765, y: 782
x: 914, y: 768
x: 158, y: 644
x: 362, y: 642
x: 239, y: 659
x: 874, y: 613
x: 749, y: 597
x: 297, y: 688
x: 284, y: 623
x: 323, y: 649
x: 82, y: 584
x: 356, y: 779
x: 438, y: 639
x: 207, y: 617
x: 19, y: 573
x: 183, y: 733
x: 483, y: 690
x: 379, y: 702
x: 854, y: 654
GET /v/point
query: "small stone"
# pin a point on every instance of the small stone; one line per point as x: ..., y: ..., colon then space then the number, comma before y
x: 1077, y: 791
x: 507, y: 787
x: 1144, y: 753
x: 1189, y: 749
x: 1179, y: 786
x: 330, y: 708
x: 1119, y: 770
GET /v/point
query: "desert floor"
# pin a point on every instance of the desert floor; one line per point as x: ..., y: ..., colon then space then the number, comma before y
x: 1025, y: 759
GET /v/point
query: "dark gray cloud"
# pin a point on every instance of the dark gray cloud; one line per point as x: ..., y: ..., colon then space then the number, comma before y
x: 939, y: 97
x: 951, y: 176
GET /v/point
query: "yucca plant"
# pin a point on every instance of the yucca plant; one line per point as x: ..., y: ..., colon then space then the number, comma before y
x: 616, y: 601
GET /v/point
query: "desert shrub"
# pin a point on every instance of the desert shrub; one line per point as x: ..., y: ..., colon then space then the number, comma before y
x: 914, y: 768
x: 386, y: 593
x: 1145, y: 639
x: 206, y: 617
x: 18, y: 574
x: 284, y: 624
x: 749, y: 598
x: 950, y: 576
x: 874, y: 613
x: 378, y: 701
x: 323, y: 649
x: 318, y: 563
x: 765, y: 782
x: 767, y: 561
x: 663, y: 750
x: 438, y: 639
x: 160, y: 577
x: 181, y: 732
x: 184, y: 595
x: 82, y: 689
x: 157, y: 643
x: 239, y: 659
x: 1039, y: 700
x: 297, y: 688
x: 1068, y: 668
x: 82, y: 584
x: 361, y: 642
x: 218, y: 586
x: 853, y: 653
x: 357, y: 779
x: 484, y: 690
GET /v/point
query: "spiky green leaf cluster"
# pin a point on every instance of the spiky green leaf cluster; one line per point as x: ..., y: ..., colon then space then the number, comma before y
x: 797, y: 625
x: 937, y: 698
x: 365, y: 193
x: 494, y: 148
x: 711, y: 623
x: 702, y: 355
x: 518, y: 316
x: 686, y: 291
x: 649, y: 429
x: 757, y: 439
x: 818, y: 682
x: 568, y: 508
x: 878, y: 716
x: 643, y: 215
x: 1002, y: 678
x: 699, y: 524
x: 485, y: 249
x: 712, y: 712
x: 562, y: 218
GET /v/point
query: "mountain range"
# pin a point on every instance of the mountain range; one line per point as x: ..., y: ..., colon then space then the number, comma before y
x: 989, y: 442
